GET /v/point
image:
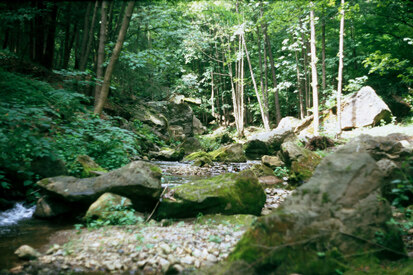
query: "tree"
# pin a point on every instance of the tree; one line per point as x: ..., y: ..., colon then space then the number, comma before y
x: 115, y: 55
x: 314, y: 70
x: 340, y: 67
x: 101, y: 50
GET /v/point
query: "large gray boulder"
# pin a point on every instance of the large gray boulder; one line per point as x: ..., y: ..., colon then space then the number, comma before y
x: 229, y: 153
x: 139, y: 181
x: 334, y: 215
x: 239, y: 193
x: 364, y: 108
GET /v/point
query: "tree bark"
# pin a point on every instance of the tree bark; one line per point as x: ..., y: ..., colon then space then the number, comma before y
x: 82, y: 50
x: 323, y: 52
x: 101, y: 50
x: 115, y: 55
x: 300, y: 92
x: 340, y: 67
x: 84, y: 57
x: 274, y: 80
x: 314, y: 71
x: 264, y: 120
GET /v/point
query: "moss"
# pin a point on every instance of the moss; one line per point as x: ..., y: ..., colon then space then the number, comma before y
x: 325, y: 198
x: 230, y: 153
x: 236, y: 220
x: 44, y: 182
x: 155, y: 169
x: 199, y: 158
x: 89, y: 166
x: 261, y: 170
x: 302, y: 169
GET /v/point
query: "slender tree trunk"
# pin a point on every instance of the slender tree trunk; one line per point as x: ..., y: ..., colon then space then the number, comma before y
x: 300, y: 92
x: 314, y: 71
x: 115, y: 55
x: 49, y: 49
x: 84, y: 58
x: 119, y: 21
x: 101, y: 50
x: 340, y: 67
x: 212, y: 94
x: 274, y: 80
x: 323, y: 52
x: 264, y: 120
x: 86, y: 26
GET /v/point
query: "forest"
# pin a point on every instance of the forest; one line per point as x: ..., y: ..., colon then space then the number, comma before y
x: 229, y: 137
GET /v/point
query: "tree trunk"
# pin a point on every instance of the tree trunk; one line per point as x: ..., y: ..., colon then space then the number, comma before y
x: 264, y: 120
x: 115, y: 55
x: 212, y: 94
x: 274, y: 80
x: 340, y: 67
x: 314, y: 71
x: 81, y: 53
x: 300, y: 92
x: 323, y: 52
x: 49, y: 49
x: 101, y: 50
x: 84, y: 57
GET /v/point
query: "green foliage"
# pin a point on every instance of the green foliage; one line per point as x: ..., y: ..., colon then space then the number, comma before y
x: 402, y: 188
x: 119, y: 215
x: 281, y: 172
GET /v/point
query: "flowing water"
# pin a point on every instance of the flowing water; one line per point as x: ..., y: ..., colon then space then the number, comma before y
x: 18, y: 227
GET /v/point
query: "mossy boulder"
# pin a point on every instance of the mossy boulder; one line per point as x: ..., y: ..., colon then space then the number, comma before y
x: 190, y: 145
x: 168, y: 154
x: 272, y: 161
x: 238, y: 193
x: 90, y: 167
x: 240, y: 220
x: 334, y: 215
x: 200, y: 158
x: 229, y: 153
x: 139, y: 181
x: 108, y: 206
x: 261, y: 170
x: 255, y: 149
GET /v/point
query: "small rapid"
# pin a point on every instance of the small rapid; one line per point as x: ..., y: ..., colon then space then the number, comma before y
x: 17, y: 213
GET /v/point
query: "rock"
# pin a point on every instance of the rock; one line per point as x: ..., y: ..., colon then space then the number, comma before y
x: 334, y: 213
x: 198, y: 128
x: 151, y: 116
x: 364, y: 108
x: 243, y: 220
x: 229, y: 153
x: 168, y: 154
x: 319, y: 143
x: 48, y: 207
x: 139, y: 181
x: 387, y: 166
x: 200, y: 158
x: 255, y: 149
x: 109, y: 205
x: 190, y: 145
x: 227, y: 194
x: 26, y: 252
x: 272, y: 161
x: 288, y: 123
x: 181, y: 114
x: 48, y: 166
x: 269, y: 181
x: 90, y: 167
x: 261, y: 170
x: 176, y: 132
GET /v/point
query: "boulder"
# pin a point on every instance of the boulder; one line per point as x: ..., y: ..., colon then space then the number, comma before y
x: 176, y: 132
x: 168, y: 154
x: 269, y: 181
x: 152, y: 117
x: 110, y: 206
x: 90, y: 167
x: 47, y: 208
x: 181, y: 115
x: 274, y: 138
x: 364, y: 108
x: 288, y: 123
x: 302, y: 162
x: 272, y: 161
x: 198, y: 128
x: 139, y: 181
x: 334, y: 215
x: 48, y: 166
x: 190, y: 145
x: 234, y: 193
x: 26, y: 252
x: 200, y: 158
x: 229, y: 153
x: 261, y: 170
x: 255, y: 149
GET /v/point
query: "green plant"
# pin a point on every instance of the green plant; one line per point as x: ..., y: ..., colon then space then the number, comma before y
x: 117, y: 215
x: 281, y: 172
x: 402, y: 188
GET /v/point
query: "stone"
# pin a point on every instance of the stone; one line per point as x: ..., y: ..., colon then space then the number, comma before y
x: 269, y: 181
x: 49, y: 207
x: 237, y: 193
x: 364, y: 108
x: 48, y: 166
x: 139, y: 181
x: 334, y: 212
x: 229, y: 153
x: 190, y: 145
x: 176, y: 132
x: 26, y: 252
x: 255, y: 149
x: 168, y: 154
x: 200, y: 159
x: 108, y: 205
x: 198, y: 128
x: 272, y: 161
x: 90, y: 167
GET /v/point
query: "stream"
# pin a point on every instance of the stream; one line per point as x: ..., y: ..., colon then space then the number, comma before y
x: 17, y: 227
